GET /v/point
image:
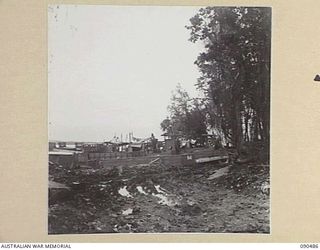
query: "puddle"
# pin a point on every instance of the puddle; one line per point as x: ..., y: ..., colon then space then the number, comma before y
x: 127, y: 211
x: 161, y: 195
x: 158, y: 188
x: 220, y: 172
x: 140, y: 190
x: 124, y: 192
x: 164, y: 200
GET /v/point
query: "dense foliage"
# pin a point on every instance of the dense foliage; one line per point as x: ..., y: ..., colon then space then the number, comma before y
x: 235, y: 71
x: 187, y: 118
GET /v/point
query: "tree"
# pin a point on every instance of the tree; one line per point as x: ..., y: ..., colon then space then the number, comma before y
x: 186, y: 116
x: 166, y: 126
x: 196, y: 126
x: 235, y: 70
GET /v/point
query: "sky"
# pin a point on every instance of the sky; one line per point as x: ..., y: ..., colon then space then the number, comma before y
x: 112, y: 69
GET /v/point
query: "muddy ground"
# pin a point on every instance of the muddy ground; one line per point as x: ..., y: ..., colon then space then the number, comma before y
x: 157, y: 198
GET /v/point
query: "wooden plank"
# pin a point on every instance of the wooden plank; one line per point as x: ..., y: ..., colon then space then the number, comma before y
x: 153, y: 161
x: 57, y: 185
x: 210, y: 159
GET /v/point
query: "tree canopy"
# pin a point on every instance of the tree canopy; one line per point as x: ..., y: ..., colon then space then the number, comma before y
x: 234, y: 77
x: 235, y: 70
x: 186, y: 117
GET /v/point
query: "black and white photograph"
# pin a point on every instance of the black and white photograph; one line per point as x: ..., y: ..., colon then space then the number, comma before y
x: 159, y: 119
